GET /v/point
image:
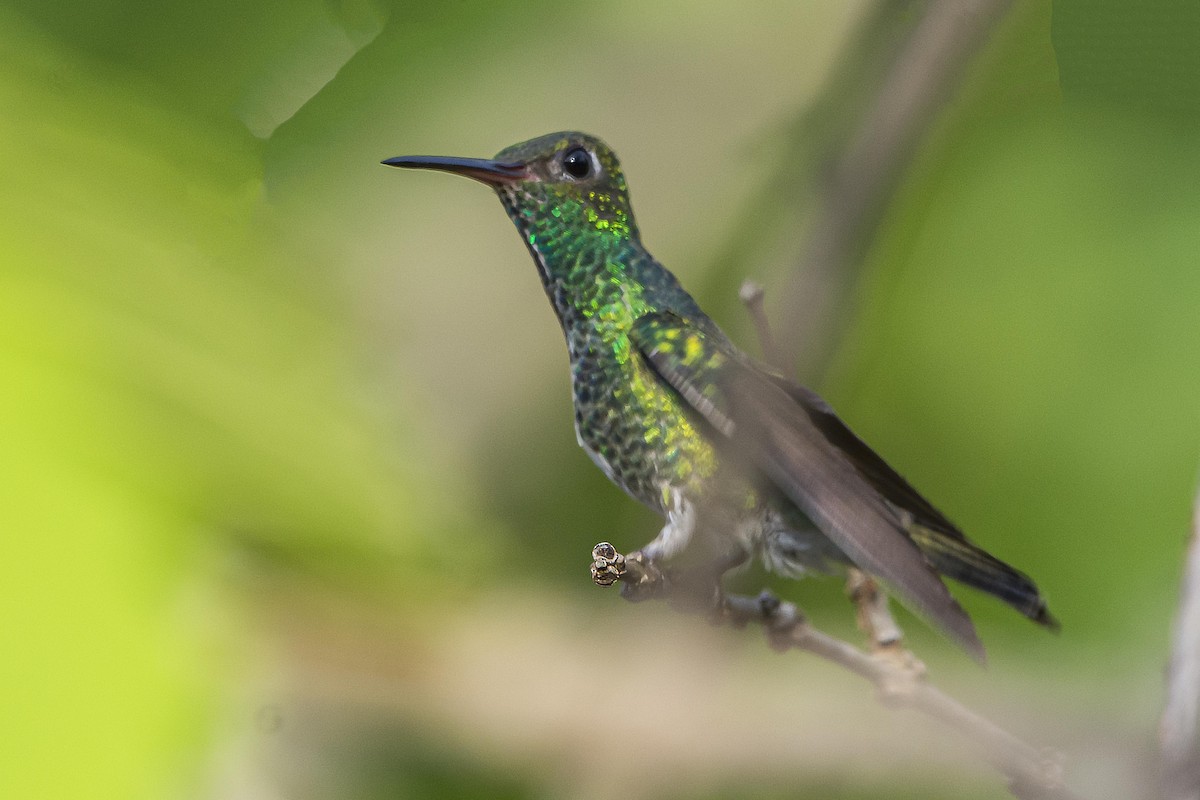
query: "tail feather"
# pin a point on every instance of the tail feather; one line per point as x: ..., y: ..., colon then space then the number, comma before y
x: 968, y: 564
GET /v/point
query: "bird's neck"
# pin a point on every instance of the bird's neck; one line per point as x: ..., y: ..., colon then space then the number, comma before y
x: 598, y: 290
x: 593, y: 270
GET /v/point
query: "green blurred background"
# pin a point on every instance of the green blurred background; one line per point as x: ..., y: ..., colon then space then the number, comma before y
x: 290, y: 501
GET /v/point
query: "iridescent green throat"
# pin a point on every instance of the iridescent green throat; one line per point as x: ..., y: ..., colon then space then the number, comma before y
x: 588, y: 255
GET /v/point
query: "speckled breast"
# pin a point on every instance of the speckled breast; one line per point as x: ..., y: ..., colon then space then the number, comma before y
x: 632, y: 425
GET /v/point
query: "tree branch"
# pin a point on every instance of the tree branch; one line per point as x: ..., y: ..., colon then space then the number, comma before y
x: 1032, y: 774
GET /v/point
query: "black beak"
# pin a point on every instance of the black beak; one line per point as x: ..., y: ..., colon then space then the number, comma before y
x: 493, y: 173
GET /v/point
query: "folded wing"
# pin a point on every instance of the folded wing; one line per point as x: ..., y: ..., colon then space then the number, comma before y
x: 761, y: 418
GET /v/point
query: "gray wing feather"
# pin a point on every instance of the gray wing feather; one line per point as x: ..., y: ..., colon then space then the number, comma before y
x: 766, y: 425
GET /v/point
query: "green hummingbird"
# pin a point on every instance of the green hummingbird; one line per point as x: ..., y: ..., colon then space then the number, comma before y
x: 740, y: 461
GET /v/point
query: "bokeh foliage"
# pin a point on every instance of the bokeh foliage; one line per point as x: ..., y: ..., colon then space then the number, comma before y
x: 247, y: 375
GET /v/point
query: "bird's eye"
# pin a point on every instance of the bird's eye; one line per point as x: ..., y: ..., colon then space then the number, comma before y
x: 577, y: 163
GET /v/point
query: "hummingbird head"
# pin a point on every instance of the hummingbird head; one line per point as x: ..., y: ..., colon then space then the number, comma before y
x: 559, y: 183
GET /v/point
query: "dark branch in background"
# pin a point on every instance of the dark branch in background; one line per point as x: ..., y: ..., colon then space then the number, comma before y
x: 1179, y: 731
x: 859, y: 174
x: 1031, y: 774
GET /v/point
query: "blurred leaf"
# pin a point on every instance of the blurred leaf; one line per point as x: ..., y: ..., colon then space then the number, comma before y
x: 174, y: 381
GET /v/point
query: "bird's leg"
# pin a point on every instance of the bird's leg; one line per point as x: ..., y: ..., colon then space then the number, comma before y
x: 641, y: 578
x: 692, y: 588
x: 692, y: 582
x: 702, y: 583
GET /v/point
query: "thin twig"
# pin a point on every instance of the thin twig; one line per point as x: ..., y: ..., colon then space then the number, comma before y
x: 1031, y: 774
x: 1178, y: 731
x: 751, y: 294
x: 874, y: 617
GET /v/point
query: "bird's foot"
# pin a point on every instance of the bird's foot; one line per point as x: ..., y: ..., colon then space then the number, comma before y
x: 641, y: 579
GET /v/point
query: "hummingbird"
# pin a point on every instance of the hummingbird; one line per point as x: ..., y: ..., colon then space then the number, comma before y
x: 740, y: 461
